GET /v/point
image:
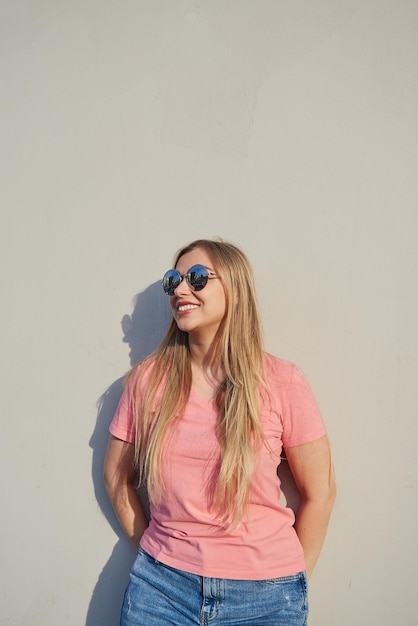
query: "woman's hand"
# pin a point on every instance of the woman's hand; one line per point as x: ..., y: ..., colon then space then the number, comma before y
x: 119, y: 479
x: 312, y: 470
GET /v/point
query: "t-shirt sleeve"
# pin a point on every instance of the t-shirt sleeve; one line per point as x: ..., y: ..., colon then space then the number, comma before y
x: 123, y: 423
x: 302, y: 420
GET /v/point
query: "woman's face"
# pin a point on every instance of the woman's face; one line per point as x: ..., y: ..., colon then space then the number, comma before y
x: 198, y: 313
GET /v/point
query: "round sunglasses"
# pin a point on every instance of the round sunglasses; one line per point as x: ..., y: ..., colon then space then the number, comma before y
x: 197, y: 277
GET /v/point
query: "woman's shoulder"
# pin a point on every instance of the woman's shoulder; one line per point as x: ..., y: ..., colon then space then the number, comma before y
x: 140, y: 372
x: 281, y: 374
x: 277, y: 369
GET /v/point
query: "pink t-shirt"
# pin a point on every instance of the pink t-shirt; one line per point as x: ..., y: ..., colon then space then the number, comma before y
x: 183, y: 532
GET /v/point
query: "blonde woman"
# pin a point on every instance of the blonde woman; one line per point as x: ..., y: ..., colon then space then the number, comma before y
x: 203, y: 422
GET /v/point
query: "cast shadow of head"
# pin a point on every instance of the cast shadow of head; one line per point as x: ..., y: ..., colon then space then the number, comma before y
x: 143, y: 332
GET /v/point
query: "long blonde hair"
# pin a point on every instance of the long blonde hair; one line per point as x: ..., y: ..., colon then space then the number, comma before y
x: 238, y: 346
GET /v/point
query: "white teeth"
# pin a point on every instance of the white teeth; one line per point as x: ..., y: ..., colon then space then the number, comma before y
x: 188, y: 307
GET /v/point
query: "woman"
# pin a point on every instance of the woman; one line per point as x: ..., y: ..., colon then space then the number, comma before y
x: 203, y: 422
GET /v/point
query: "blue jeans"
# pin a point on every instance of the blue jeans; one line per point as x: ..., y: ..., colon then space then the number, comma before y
x: 159, y: 595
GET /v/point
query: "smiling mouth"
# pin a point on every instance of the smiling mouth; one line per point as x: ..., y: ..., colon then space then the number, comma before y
x: 187, y: 307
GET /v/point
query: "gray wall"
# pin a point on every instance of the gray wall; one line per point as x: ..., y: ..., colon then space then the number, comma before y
x: 129, y: 128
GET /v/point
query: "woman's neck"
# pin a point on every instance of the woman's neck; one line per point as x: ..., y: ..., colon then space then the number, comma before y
x: 204, y: 369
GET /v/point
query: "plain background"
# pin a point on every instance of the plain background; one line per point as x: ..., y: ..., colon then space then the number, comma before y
x: 130, y: 128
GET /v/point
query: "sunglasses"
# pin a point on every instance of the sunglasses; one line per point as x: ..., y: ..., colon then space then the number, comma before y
x: 197, y: 277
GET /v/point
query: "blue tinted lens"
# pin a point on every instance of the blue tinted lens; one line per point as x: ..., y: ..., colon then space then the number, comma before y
x: 171, y: 280
x: 197, y: 277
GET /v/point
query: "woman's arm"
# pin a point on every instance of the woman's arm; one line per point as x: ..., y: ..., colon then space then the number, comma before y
x: 312, y: 470
x: 119, y: 479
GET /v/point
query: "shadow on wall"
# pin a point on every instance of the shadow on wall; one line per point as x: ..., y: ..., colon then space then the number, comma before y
x: 143, y: 332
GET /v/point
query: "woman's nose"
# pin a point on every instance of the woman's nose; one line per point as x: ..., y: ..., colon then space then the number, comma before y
x: 183, y: 288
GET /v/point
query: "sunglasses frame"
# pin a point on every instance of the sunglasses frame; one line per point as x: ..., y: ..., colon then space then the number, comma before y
x: 173, y: 279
